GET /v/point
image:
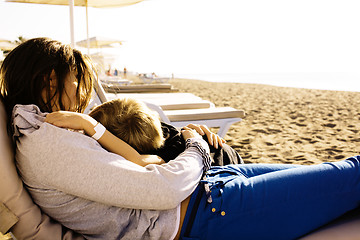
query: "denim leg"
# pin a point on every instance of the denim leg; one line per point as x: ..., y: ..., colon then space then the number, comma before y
x: 252, y: 170
x: 278, y: 202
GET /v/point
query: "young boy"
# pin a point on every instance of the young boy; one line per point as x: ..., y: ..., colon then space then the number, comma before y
x: 133, y: 122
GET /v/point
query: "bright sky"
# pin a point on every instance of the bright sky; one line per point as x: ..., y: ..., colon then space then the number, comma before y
x: 209, y: 36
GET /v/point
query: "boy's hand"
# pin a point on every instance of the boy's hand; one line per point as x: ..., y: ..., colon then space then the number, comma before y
x: 151, y: 159
x: 213, y: 139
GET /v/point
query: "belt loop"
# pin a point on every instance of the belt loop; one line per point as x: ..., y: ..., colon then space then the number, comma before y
x: 207, y: 189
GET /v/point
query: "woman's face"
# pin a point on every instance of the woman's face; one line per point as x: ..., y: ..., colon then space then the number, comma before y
x: 69, y: 95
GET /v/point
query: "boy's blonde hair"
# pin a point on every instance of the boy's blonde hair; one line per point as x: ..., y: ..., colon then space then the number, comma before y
x: 132, y: 121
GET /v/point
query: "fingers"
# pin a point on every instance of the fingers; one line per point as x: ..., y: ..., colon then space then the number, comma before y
x: 197, y: 128
x: 54, y: 118
x: 188, y: 133
x: 51, y: 117
x: 64, y: 119
x: 220, y: 140
x: 217, y: 140
x: 213, y: 139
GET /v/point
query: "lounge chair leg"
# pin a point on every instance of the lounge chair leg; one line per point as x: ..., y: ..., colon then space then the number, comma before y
x: 223, y: 129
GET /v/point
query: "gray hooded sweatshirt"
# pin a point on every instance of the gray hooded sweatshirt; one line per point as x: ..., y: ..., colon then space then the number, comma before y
x: 98, y: 193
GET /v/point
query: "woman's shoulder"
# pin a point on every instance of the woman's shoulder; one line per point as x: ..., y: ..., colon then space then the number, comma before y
x: 26, y: 119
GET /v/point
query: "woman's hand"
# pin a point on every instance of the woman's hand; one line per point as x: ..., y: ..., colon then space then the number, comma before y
x: 213, y: 139
x: 72, y: 120
x: 189, y: 133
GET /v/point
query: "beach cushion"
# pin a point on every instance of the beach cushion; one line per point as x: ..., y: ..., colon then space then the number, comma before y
x: 346, y: 227
x: 144, y: 88
x: 18, y: 213
x: 167, y: 101
x: 204, y: 114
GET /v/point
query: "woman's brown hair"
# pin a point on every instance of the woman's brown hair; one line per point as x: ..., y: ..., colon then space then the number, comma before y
x: 26, y: 70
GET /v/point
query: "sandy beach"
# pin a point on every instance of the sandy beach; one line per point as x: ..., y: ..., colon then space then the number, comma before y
x: 286, y: 125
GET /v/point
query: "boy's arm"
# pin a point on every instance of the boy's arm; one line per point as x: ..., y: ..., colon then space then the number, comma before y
x: 109, y: 141
x: 115, y: 145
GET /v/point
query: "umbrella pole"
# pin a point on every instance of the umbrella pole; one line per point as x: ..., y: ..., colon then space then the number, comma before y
x: 71, y: 8
x: 87, y: 28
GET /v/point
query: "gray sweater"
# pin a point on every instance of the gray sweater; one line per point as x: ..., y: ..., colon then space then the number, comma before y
x: 98, y: 193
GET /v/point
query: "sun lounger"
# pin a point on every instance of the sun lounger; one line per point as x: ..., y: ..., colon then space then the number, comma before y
x: 222, y: 117
x: 347, y: 227
x: 18, y: 213
x: 153, y: 96
x: 139, y: 88
x: 150, y: 79
x: 167, y: 101
x: 114, y: 80
x: 185, y: 109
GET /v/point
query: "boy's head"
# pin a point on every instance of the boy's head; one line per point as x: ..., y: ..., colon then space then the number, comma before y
x: 132, y: 121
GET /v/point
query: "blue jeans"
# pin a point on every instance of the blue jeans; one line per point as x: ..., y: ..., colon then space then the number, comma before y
x: 272, y: 201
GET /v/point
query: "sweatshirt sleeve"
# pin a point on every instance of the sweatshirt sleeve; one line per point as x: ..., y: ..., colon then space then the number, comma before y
x: 60, y: 160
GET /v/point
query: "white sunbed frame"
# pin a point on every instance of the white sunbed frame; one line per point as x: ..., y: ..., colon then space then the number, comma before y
x: 180, y: 109
x: 148, y: 80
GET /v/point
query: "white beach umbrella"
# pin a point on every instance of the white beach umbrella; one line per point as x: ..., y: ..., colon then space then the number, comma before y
x: 103, y: 61
x: 86, y: 3
x: 99, y: 42
x: 6, y: 45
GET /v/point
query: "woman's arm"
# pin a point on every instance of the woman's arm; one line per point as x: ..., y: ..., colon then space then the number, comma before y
x: 110, y: 142
x: 62, y: 161
x: 56, y: 159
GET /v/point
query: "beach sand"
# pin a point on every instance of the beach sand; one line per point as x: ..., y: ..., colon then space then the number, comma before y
x: 286, y: 125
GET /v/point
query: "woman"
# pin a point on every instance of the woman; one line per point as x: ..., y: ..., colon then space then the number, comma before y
x: 104, y: 196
